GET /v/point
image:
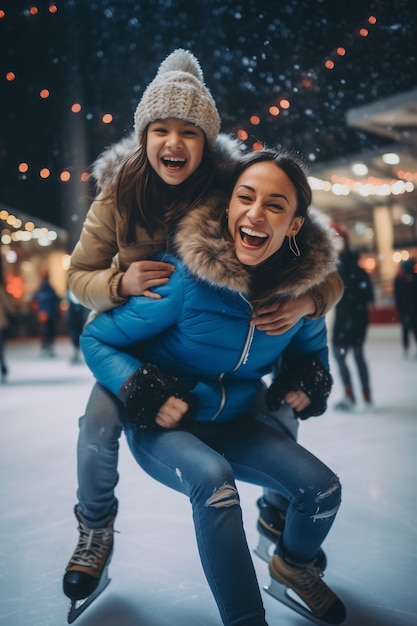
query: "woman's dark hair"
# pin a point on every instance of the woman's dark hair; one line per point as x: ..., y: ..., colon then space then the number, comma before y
x: 290, y: 163
x: 279, y: 267
x: 143, y: 198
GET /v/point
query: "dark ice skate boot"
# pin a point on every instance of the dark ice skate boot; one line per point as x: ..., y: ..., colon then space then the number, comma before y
x: 87, y: 571
x: 324, y: 607
x: 270, y: 525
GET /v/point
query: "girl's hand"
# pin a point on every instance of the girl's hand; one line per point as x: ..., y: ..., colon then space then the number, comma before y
x: 141, y: 276
x: 297, y: 400
x: 171, y: 412
x: 278, y: 317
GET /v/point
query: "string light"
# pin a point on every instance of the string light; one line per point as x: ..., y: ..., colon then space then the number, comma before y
x: 107, y: 118
x: 329, y: 63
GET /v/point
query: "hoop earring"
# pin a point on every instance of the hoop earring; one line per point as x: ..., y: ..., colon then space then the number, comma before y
x: 292, y: 243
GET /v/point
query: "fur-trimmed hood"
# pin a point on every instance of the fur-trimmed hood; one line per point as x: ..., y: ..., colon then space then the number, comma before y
x: 200, y: 243
x: 105, y: 168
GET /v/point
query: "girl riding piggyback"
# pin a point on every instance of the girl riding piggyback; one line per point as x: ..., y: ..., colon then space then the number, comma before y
x: 174, y: 159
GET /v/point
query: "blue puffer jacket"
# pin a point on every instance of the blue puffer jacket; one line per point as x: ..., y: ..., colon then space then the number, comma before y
x: 200, y: 329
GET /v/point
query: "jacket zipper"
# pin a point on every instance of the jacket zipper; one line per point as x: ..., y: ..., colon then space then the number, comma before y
x: 242, y: 360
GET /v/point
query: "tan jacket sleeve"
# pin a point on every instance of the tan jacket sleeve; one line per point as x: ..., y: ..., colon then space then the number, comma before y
x: 327, y: 294
x: 93, y: 276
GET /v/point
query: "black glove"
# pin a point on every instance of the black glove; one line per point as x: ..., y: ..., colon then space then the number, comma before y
x: 304, y: 374
x: 146, y: 390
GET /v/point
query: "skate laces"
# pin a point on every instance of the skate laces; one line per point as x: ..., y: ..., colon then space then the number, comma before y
x: 93, y: 546
x: 312, y: 587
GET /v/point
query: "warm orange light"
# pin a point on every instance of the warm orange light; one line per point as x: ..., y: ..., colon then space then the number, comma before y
x: 372, y: 19
x: 107, y: 118
x: 44, y: 173
x: 242, y: 134
x: 85, y: 177
x: 2, y: 13
x: 44, y: 93
x: 368, y: 264
x: 329, y: 64
x: 364, y: 32
x: 10, y: 76
x: 284, y: 104
x: 76, y: 107
x: 341, y: 51
x: 274, y: 110
x: 23, y: 167
x: 255, y: 120
x: 65, y: 176
x: 257, y: 145
x: 14, y: 285
x: 33, y: 10
x: 52, y: 8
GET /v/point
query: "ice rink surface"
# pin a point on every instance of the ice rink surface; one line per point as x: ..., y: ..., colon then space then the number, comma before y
x: 156, y: 575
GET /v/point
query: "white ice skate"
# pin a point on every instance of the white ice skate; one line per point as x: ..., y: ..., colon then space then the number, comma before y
x: 77, y: 607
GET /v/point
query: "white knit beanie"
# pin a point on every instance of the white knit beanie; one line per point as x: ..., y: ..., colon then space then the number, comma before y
x: 178, y: 90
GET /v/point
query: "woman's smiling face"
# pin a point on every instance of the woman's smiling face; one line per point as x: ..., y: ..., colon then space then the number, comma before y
x: 261, y: 212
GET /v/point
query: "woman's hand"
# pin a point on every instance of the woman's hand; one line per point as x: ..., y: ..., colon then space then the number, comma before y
x: 171, y: 412
x: 141, y: 276
x: 297, y: 400
x: 278, y: 317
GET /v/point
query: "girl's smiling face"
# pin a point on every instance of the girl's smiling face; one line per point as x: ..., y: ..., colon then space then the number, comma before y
x: 174, y: 149
x: 261, y: 212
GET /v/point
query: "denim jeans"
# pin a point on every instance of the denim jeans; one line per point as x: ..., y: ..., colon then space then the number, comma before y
x: 204, y: 462
x: 97, y: 457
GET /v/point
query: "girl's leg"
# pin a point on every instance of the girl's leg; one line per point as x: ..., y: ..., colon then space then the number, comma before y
x: 97, y: 457
x: 181, y: 461
x: 98, y: 445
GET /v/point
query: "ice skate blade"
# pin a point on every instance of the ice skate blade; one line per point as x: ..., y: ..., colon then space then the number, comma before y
x: 280, y: 592
x: 263, y: 547
x: 77, y: 607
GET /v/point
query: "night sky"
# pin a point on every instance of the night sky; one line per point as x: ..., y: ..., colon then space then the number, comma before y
x: 253, y: 53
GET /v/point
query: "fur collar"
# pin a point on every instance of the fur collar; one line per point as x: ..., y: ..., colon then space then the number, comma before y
x: 208, y: 256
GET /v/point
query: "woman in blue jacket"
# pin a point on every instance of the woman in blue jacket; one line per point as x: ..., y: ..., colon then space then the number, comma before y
x: 189, y: 368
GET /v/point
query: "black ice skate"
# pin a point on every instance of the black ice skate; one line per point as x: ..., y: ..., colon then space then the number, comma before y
x: 312, y: 598
x: 270, y: 525
x: 77, y: 607
x: 86, y: 574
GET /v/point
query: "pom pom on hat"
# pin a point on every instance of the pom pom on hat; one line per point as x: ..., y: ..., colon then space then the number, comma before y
x: 178, y: 90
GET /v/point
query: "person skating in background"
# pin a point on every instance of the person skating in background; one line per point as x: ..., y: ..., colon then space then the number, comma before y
x: 350, y: 325
x: 7, y: 309
x: 146, y: 183
x: 405, y: 294
x: 45, y: 302
x: 77, y: 315
x: 189, y: 370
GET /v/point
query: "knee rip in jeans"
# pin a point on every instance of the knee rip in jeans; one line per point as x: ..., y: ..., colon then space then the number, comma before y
x: 224, y: 496
x: 322, y: 498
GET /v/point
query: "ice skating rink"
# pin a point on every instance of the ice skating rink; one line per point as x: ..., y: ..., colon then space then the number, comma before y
x: 156, y: 574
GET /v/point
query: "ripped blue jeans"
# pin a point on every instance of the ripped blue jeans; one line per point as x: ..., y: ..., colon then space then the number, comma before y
x: 204, y: 462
